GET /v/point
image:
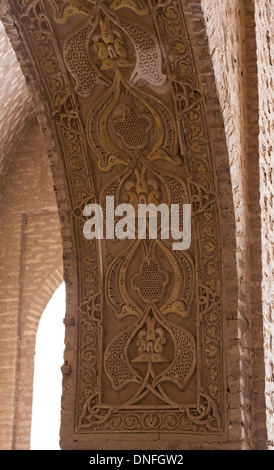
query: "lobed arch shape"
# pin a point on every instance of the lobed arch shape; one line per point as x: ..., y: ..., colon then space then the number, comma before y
x: 70, y: 214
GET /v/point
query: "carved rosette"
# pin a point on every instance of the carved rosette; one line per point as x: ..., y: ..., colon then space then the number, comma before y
x: 121, y: 83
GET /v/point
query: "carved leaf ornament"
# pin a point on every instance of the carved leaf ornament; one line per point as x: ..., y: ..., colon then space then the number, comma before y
x: 121, y: 80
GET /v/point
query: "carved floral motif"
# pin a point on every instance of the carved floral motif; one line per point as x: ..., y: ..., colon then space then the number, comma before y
x: 127, y: 108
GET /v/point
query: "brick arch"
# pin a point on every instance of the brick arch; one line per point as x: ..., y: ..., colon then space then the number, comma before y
x: 31, y: 267
x: 26, y: 354
x: 233, y: 46
x: 51, y: 211
x: 16, y: 106
x: 230, y: 290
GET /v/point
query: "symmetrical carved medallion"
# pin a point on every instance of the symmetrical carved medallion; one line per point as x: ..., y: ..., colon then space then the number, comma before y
x: 121, y: 82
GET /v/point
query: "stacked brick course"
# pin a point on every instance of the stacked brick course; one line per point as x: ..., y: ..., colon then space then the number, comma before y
x: 265, y: 51
x: 30, y: 271
x: 15, y: 104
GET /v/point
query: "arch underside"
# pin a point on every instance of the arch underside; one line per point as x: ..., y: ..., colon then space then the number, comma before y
x: 146, y: 343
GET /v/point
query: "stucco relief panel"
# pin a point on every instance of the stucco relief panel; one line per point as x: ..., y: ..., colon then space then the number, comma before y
x: 121, y: 81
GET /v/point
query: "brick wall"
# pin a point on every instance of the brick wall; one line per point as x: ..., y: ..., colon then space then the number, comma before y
x: 265, y: 50
x: 15, y: 104
x: 30, y: 271
x: 232, y: 42
x: 223, y: 26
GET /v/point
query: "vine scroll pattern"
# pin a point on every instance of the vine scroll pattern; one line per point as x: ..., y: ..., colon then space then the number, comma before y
x: 124, y: 96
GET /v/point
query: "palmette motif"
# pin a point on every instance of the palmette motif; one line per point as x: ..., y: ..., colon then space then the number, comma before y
x: 150, y: 326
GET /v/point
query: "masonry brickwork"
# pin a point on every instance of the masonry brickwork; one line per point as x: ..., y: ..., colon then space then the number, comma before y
x: 30, y: 271
x: 16, y: 104
x: 264, y: 13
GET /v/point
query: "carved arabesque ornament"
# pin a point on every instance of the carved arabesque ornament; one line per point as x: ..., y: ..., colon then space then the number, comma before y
x: 121, y: 82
